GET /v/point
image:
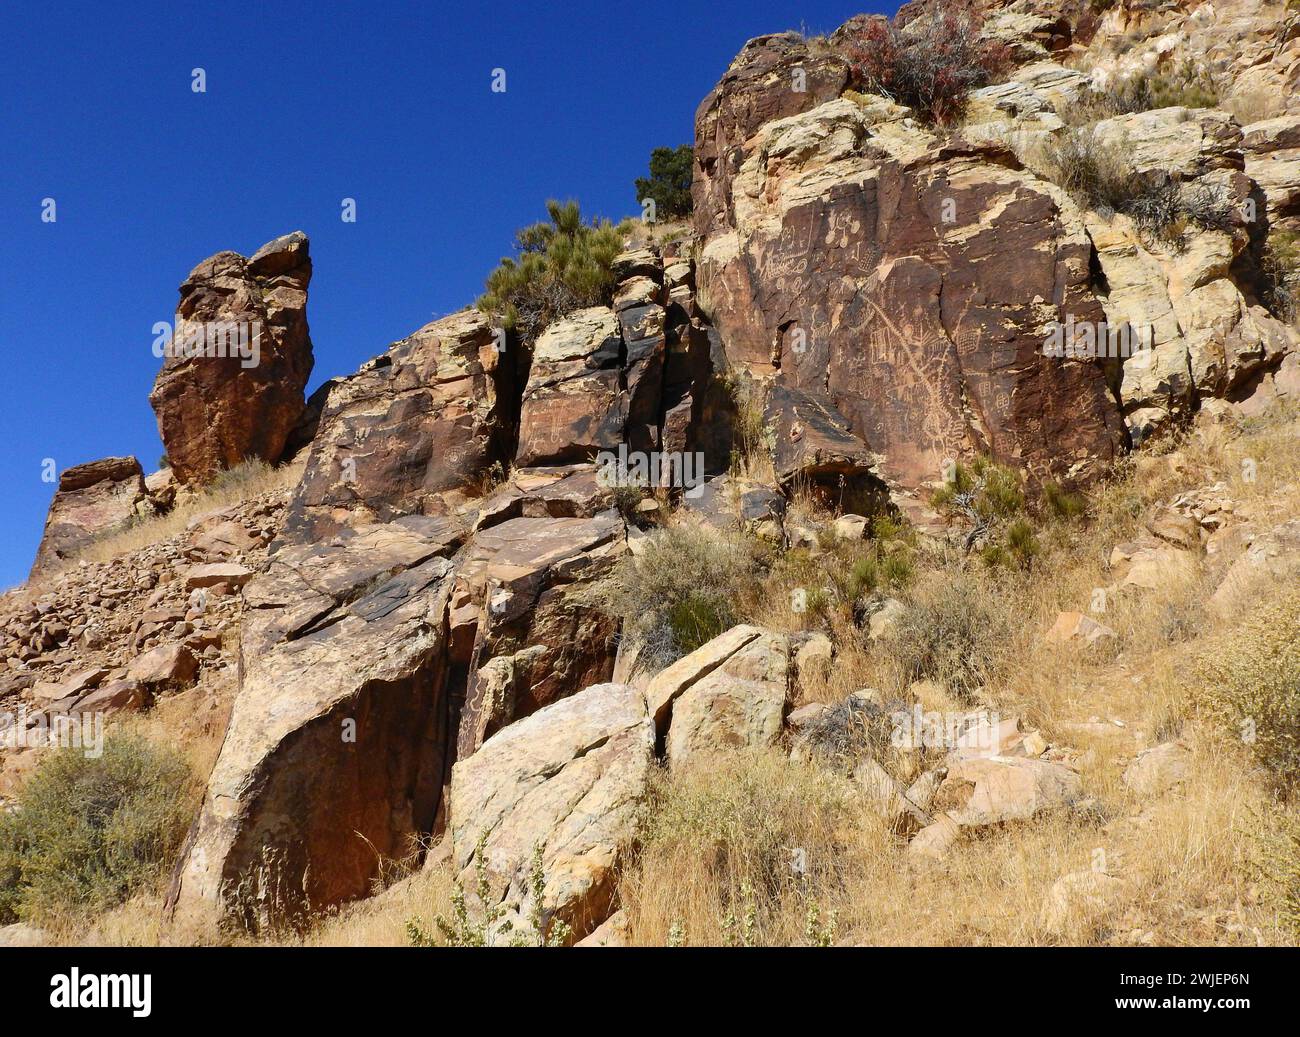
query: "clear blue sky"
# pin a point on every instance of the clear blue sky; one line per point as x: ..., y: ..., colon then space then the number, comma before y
x: 306, y: 104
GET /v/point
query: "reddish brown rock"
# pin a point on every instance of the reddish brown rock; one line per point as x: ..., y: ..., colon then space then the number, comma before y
x: 759, y: 86
x: 521, y: 579
x: 907, y: 284
x: 573, y: 406
x: 237, y: 397
x: 93, y: 500
x: 407, y: 433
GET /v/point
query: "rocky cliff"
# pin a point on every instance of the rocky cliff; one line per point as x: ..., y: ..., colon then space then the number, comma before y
x: 411, y: 619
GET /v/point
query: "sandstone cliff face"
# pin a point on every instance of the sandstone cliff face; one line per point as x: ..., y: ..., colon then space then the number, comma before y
x: 904, y: 281
x: 240, y: 394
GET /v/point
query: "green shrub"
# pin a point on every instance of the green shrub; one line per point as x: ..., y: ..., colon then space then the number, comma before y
x: 1187, y: 87
x: 684, y: 589
x: 562, y: 265
x: 669, y: 183
x: 1277, y: 862
x: 1060, y: 503
x: 1280, y: 271
x: 90, y: 832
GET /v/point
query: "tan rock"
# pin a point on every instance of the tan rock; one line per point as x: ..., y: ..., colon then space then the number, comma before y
x: 665, y: 687
x: 982, y: 791
x: 615, y: 931
x: 935, y: 840
x: 566, y: 780
x: 1158, y: 769
x: 737, y: 705
x: 1075, y: 626
x: 216, y: 573
x: 169, y: 665
x: 1081, y: 895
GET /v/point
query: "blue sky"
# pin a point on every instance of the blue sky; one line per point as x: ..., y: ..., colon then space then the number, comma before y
x: 306, y: 104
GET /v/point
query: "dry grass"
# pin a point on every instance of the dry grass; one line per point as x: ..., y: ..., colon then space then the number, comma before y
x: 1198, y: 865
x: 245, y: 482
x: 381, y: 920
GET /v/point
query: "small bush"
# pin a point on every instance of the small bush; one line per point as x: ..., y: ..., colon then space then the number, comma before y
x: 88, y: 833
x: 952, y: 634
x: 563, y: 265
x: 1249, y: 680
x: 988, y: 496
x: 1060, y: 503
x: 1277, y: 863
x: 683, y: 590
x: 1144, y: 92
x: 1280, y: 271
x: 1099, y: 176
x: 669, y: 183
x: 932, y: 65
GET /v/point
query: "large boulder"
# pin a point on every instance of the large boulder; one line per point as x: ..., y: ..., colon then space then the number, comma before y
x: 232, y: 381
x: 338, y: 740
x: 409, y: 433
x: 93, y: 500
x: 564, y: 785
x: 731, y: 693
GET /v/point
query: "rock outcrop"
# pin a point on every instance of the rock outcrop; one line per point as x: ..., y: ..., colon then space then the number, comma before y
x: 904, y: 282
x: 409, y: 432
x: 93, y: 500
x: 238, y: 360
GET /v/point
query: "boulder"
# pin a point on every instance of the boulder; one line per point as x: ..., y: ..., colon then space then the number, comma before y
x: 337, y: 743
x: 232, y: 380
x: 1158, y: 769
x: 666, y: 686
x: 988, y: 790
x: 214, y: 573
x: 739, y: 704
x: 1081, y: 895
x: 565, y: 782
x: 1075, y: 626
x: 93, y: 500
x: 167, y: 666
x: 22, y: 935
